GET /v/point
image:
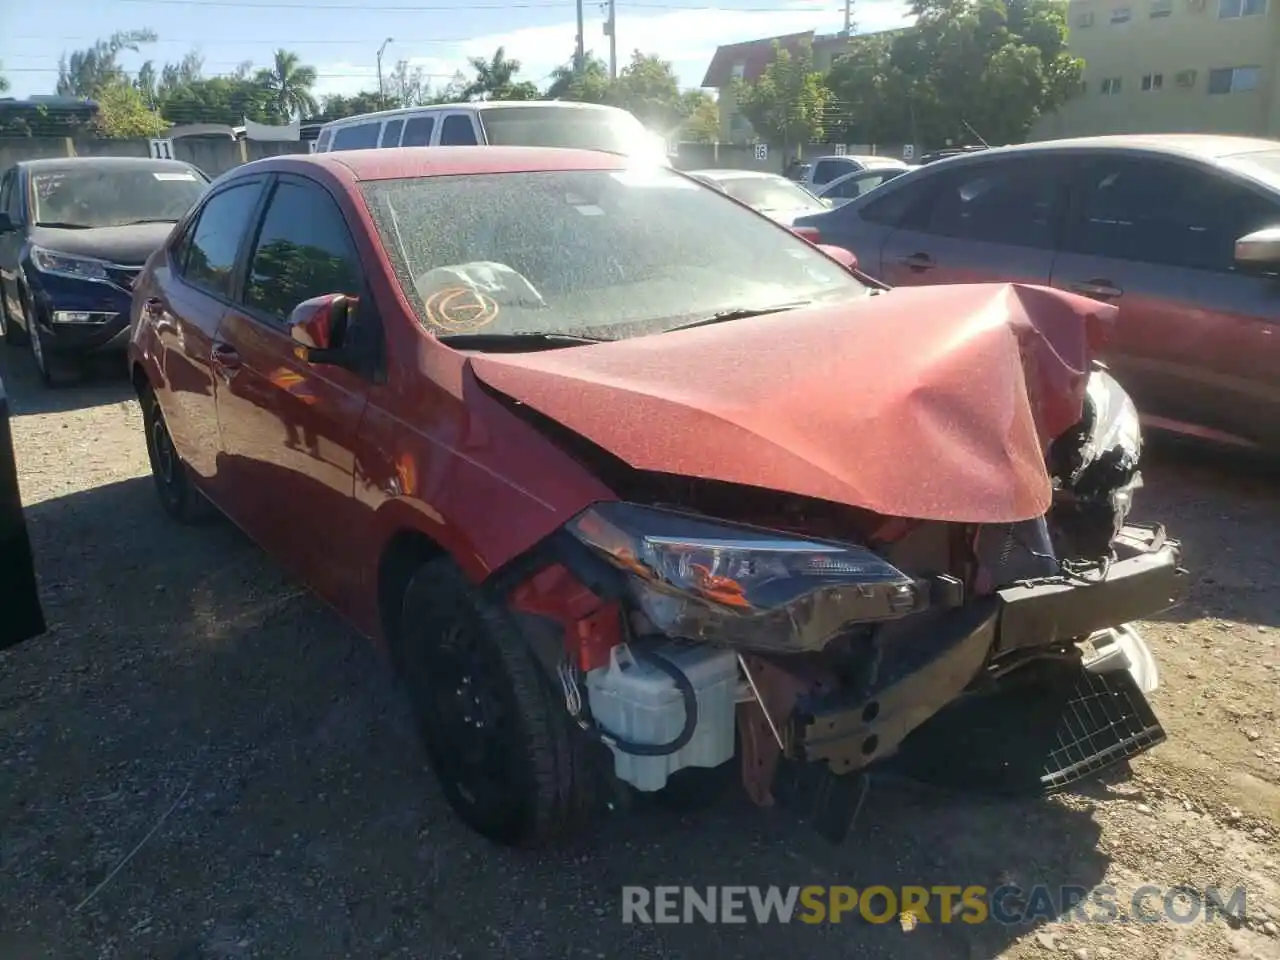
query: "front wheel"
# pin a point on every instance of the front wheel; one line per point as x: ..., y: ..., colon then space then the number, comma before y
x: 178, y: 496
x: 499, y: 738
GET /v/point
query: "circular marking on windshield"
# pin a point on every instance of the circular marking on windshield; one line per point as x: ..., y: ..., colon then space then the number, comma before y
x: 460, y: 309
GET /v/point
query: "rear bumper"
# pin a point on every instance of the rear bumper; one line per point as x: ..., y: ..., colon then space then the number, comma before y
x: 947, y: 660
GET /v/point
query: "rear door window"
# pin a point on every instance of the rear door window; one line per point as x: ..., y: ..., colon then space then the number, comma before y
x: 391, y: 134
x: 358, y: 136
x: 457, y: 131
x: 207, y: 257
x: 1012, y: 202
x: 824, y: 171
x: 417, y: 131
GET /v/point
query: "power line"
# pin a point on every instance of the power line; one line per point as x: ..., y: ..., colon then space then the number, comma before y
x: 242, y: 42
x: 349, y: 75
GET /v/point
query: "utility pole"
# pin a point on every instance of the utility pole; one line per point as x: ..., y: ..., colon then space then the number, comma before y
x: 382, y: 97
x: 611, y: 29
x: 579, y: 55
x: 848, y: 16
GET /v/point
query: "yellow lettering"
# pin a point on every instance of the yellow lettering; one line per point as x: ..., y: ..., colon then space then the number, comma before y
x: 974, y: 907
x: 946, y: 908
x: 915, y: 900
x: 815, y: 911
x: 843, y: 899
x: 891, y: 905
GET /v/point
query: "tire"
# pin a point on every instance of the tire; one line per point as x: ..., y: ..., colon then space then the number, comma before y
x: 509, y: 760
x: 54, y: 371
x: 178, y: 495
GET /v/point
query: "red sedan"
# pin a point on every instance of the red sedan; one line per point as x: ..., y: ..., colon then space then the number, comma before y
x: 632, y: 481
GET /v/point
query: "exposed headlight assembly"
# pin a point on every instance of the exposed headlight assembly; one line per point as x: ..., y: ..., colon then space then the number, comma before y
x: 67, y: 265
x: 706, y: 580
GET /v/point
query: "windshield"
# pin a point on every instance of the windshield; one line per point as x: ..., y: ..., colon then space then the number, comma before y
x: 606, y: 254
x: 1262, y: 165
x: 614, y: 131
x: 769, y: 193
x: 105, y: 197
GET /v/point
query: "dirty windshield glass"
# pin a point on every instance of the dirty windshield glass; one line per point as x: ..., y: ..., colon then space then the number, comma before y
x: 105, y: 197
x: 591, y: 253
x: 770, y: 193
x: 614, y: 131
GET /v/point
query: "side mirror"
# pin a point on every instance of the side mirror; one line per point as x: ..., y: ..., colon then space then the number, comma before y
x: 6, y: 223
x: 846, y: 258
x: 1260, y: 248
x: 318, y: 326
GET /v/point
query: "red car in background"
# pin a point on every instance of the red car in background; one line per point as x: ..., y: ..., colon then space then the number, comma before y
x: 632, y: 481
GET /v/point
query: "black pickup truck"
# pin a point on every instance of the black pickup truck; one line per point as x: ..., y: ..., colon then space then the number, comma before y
x: 21, y: 616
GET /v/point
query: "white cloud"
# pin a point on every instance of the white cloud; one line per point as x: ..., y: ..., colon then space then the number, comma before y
x: 688, y: 38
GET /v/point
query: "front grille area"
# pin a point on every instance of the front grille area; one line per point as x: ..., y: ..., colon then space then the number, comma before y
x: 1107, y: 720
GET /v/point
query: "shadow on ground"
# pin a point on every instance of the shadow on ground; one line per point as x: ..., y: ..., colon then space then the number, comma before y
x: 105, y: 381
x: 184, y: 676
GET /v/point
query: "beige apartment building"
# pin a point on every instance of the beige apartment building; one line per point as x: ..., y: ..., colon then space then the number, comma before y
x: 1173, y: 65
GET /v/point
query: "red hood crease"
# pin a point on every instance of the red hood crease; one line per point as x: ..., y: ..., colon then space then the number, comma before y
x: 932, y: 403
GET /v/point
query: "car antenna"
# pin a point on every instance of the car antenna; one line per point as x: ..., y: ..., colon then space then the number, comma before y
x: 969, y: 127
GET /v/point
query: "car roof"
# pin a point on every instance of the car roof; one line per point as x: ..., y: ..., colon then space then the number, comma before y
x: 1202, y: 146
x: 715, y: 174
x: 471, y: 106
x: 415, y: 162
x: 61, y: 164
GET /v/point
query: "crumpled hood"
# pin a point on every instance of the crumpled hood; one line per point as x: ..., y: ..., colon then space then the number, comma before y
x: 934, y: 403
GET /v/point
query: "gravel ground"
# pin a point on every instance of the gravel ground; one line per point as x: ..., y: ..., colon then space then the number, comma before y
x: 199, y: 761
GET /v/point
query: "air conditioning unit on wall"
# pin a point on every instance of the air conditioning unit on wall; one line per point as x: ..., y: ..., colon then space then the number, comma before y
x: 1185, y: 78
x: 1195, y: 4
x: 1085, y: 19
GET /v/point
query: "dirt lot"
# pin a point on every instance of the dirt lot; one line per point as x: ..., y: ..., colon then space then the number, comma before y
x: 197, y: 718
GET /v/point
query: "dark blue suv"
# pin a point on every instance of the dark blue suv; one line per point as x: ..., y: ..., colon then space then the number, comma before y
x: 74, y: 232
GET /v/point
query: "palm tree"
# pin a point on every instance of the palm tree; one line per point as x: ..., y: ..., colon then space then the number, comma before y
x: 290, y: 83
x: 493, y: 76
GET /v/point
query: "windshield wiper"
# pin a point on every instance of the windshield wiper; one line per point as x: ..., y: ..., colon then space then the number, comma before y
x: 739, y: 313
x: 59, y: 225
x: 130, y: 223
x: 531, y: 341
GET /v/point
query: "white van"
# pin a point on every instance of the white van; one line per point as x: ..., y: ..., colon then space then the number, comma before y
x: 499, y: 123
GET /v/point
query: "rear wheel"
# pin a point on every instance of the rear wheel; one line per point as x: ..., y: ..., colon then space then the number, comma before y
x: 178, y: 495
x: 500, y: 740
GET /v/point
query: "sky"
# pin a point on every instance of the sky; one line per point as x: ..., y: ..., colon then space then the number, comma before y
x: 340, y: 38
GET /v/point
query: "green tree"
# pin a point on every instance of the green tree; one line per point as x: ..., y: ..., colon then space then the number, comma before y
x: 495, y: 79
x: 84, y: 72
x: 787, y: 104
x: 4, y: 81
x: 591, y: 84
x: 990, y: 66
x: 229, y: 100
x: 336, y: 106
x: 123, y: 112
x: 702, y: 117
x: 647, y: 86
x: 407, y: 86
x: 290, y: 83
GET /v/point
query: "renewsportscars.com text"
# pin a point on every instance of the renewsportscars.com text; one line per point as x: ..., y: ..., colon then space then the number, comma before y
x: 939, y: 903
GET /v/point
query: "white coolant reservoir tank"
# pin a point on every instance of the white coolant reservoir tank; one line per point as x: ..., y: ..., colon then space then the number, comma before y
x: 637, y: 702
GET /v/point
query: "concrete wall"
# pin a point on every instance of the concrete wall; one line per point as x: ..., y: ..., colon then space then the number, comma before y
x: 214, y: 157
x: 1191, y: 36
x: 737, y: 156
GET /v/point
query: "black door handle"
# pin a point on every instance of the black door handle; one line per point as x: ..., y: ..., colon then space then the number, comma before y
x: 918, y: 261
x: 225, y: 359
x: 1098, y: 289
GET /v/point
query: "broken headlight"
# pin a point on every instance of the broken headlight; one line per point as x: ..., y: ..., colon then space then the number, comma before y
x: 701, y: 579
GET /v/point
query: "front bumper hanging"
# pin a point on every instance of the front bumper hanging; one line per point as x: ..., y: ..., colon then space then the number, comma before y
x: 1078, y: 715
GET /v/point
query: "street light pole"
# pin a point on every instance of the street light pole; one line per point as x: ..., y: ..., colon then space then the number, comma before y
x: 579, y: 53
x: 382, y: 97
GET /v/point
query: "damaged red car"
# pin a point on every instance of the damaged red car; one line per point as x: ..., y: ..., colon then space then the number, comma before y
x: 635, y: 485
